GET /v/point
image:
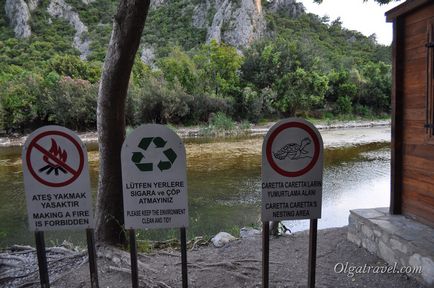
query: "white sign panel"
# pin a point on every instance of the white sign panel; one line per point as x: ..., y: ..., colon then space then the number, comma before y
x: 292, y: 168
x: 154, y: 179
x: 56, y: 180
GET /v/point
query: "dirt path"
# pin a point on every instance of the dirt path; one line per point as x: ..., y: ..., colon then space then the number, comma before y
x: 238, y: 264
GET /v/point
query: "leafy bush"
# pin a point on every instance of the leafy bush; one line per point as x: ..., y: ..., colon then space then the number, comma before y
x: 21, y: 101
x: 251, y: 104
x: 221, y: 122
x: 159, y: 102
x: 300, y: 91
x: 73, y: 104
x: 202, y: 105
x: 74, y: 67
x: 179, y: 67
x: 363, y: 111
x: 343, y: 105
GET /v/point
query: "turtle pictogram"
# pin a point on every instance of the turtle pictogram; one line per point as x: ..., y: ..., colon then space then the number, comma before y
x: 159, y: 143
x: 293, y: 150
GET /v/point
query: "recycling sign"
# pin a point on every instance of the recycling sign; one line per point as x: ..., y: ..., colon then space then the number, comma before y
x: 154, y: 179
x: 159, y: 146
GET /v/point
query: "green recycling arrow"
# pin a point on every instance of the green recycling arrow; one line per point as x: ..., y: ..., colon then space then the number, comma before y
x: 137, y: 157
x: 170, y: 154
x: 159, y: 143
x: 144, y: 143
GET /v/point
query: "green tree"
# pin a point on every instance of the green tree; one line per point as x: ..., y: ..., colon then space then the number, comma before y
x: 159, y: 101
x: 73, y: 103
x: 128, y: 25
x: 19, y: 100
x: 218, y: 66
x: 341, y: 91
x: 300, y: 91
x: 267, y: 61
x: 178, y: 67
x: 376, y: 89
x: 72, y: 66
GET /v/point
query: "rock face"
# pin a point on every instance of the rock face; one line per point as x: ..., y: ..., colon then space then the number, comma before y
x: 156, y: 3
x: 237, y: 23
x: 148, y: 56
x: 33, y: 4
x: 59, y: 9
x: 18, y: 14
x: 289, y: 7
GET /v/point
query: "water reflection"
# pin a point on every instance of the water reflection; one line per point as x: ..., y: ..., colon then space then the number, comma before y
x: 224, y: 188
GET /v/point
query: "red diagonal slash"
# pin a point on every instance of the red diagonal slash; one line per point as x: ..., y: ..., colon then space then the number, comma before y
x: 57, y: 161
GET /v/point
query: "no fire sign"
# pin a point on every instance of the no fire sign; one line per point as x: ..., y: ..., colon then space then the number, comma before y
x: 56, y: 180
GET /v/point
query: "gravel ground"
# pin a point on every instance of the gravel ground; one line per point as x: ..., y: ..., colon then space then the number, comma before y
x: 238, y: 264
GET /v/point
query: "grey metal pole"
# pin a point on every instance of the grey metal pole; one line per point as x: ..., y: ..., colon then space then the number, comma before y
x: 184, y: 258
x: 92, y: 258
x: 42, y: 259
x: 133, y: 255
x: 265, y: 253
x: 312, y: 252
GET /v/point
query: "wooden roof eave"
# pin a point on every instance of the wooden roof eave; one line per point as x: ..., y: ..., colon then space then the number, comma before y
x: 404, y: 8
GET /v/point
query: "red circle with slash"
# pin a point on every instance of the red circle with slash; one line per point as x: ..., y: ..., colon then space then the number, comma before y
x: 34, y: 146
x: 309, y: 166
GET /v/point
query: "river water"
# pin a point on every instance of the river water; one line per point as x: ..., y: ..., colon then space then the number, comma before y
x: 224, y: 185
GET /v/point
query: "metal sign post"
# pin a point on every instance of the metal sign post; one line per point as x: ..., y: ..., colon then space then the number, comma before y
x: 92, y: 258
x: 133, y: 257
x: 292, y: 168
x: 265, y: 253
x: 57, y: 187
x: 312, y: 253
x: 42, y: 259
x: 154, y: 176
x: 183, y: 237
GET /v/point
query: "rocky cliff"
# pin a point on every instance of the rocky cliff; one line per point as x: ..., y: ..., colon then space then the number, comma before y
x: 59, y: 9
x: 237, y: 23
x: 17, y: 11
x: 288, y: 7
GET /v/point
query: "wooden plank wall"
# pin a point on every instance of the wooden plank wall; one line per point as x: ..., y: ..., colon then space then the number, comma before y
x: 418, y: 151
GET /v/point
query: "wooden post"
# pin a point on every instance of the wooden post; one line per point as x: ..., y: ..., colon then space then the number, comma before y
x: 42, y: 259
x: 397, y: 118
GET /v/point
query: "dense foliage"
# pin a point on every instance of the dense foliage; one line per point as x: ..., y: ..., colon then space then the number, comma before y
x: 306, y: 66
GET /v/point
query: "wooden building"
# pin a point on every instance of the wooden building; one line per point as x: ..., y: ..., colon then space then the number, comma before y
x: 412, y: 192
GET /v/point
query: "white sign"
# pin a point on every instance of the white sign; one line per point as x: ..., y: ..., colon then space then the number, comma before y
x: 292, y: 168
x: 56, y: 180
x: 154, y: 179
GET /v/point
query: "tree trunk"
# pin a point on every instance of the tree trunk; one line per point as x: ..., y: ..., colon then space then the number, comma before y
x: 128, y: 26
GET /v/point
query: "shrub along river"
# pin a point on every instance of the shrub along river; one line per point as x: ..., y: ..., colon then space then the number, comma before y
x: 224, y: 185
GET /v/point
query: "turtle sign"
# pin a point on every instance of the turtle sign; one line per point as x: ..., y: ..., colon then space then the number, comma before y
x: 56, y: 180
x: 292, y: 166
x: 154, y: 179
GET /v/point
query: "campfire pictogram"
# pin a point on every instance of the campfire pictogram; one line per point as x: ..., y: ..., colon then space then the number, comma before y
x: 59, y: 154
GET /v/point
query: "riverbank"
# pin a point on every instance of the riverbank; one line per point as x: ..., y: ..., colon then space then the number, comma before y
x: 237, y: 264
x: 196, y: 131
